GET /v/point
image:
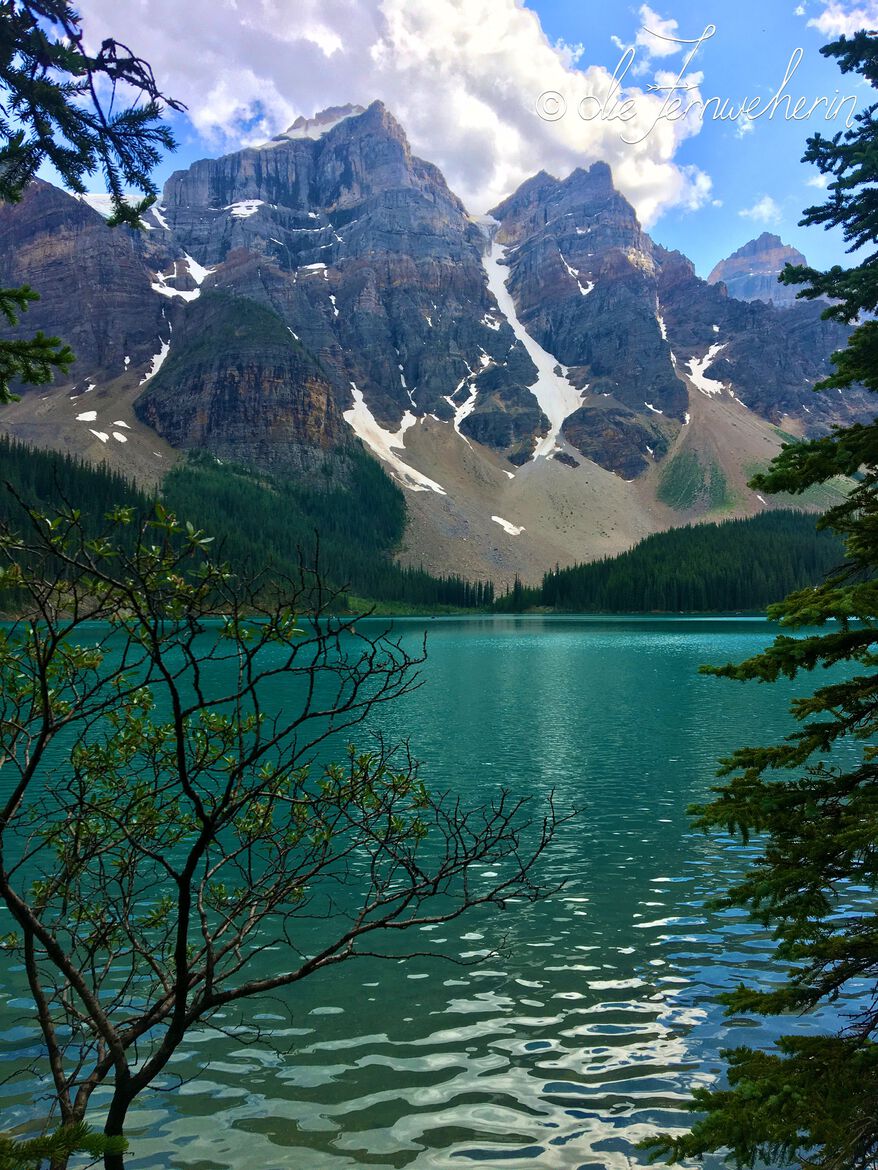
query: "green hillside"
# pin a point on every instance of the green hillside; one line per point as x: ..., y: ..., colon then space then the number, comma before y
x: 260, y: 523
x: 734, y: 565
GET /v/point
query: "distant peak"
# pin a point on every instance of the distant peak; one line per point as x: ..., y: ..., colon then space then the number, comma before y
x: 766, y: 243
x: 750, y: 273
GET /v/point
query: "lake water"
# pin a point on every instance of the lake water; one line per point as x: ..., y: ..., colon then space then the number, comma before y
x: 598, y: 1018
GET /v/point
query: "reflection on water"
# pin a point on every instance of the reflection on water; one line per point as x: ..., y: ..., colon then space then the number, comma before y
x: 593, y: 1023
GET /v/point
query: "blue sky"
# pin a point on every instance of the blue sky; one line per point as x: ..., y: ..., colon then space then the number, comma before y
x: 467, y: 78
x: 747, y: 57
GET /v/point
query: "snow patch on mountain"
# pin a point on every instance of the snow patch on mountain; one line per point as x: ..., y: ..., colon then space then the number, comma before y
x: 160, y: 285
x: 157, y: 361
x: 574, y: 272
x: 556, y: 397
x: 512, y: 529
x: 244, y: 208
x: 387, y: 444
x: 101, y: 203
x: 197, y: 271
x: 697, y: 366
x: 463, y: 409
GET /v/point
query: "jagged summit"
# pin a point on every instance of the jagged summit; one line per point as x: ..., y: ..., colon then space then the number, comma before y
x: 750, y: 273
x: 596, y: 182
x: 315, y: 127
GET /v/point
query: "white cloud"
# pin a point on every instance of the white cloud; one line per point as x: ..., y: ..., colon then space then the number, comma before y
x: 839, y: 18
x: 658, y: 37
x: 765, y: 210
x: 462, y: 76
x: 800, y: 10
x: 821, y: 182
x: 744, y: 125
x: 570, y: 55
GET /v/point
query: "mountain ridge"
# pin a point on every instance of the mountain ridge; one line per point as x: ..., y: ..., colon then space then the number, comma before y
x: 529, y: 377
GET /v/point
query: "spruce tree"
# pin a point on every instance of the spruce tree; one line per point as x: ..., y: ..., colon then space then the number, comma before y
x: 812, y: 1099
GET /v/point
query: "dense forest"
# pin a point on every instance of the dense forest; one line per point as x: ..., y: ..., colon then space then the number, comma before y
x: 47, y: 480
x: 734, y: 565
x: 260, y: 523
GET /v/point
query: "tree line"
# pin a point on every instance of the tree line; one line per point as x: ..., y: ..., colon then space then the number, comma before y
x: 732, y: 565
x: 263, y: 525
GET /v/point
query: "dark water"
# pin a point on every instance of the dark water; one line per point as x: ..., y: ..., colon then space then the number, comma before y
x: 590, y: 1030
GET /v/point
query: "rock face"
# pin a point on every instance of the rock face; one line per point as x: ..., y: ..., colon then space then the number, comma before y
x: 93, y: 283
x: 584, y: 280
x: 236, y: 383
x: 285, y: 298
x: 768, y: 358
x: 751, y: 273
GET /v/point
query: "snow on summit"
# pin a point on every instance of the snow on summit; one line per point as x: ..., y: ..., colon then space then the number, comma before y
x: 314, y: 127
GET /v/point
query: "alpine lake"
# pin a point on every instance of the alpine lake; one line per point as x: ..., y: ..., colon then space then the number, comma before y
x: 589, y: 1026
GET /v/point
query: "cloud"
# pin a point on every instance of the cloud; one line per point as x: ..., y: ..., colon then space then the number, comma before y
x: 462, y: 76
x: 570, y: 55
x: 839, y: 18
x: 655, y: 38
x: 821, y: 182
x: 658, y: 37
x: 744, y: 125
x: 765, y: 210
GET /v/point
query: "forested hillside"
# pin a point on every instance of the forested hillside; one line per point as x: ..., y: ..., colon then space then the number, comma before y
x: 260, y: 523
x: 735, y: 565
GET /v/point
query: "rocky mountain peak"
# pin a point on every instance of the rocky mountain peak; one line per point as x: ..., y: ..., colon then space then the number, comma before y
x: 320, y: 124
x: 598, y: 179
x: 750, y: 273
x: 580, y: 203
x: 335, y: 162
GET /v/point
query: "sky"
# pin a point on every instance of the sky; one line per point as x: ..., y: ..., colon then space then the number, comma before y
x: 701, y: 109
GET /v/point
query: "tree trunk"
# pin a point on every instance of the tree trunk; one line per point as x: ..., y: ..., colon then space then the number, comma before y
x: 114, y: 1128
x: 114, y: 1161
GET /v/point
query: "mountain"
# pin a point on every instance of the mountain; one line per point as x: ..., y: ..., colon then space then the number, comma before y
x: 547, y: 383
x: 364, y: 257
x: 751, y: 273
x: 582, y: 276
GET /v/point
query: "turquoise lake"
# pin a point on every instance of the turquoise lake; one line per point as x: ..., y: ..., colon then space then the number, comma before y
x: 597, y: 1019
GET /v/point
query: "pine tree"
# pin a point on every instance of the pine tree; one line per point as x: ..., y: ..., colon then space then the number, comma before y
x: 812, y: 1099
